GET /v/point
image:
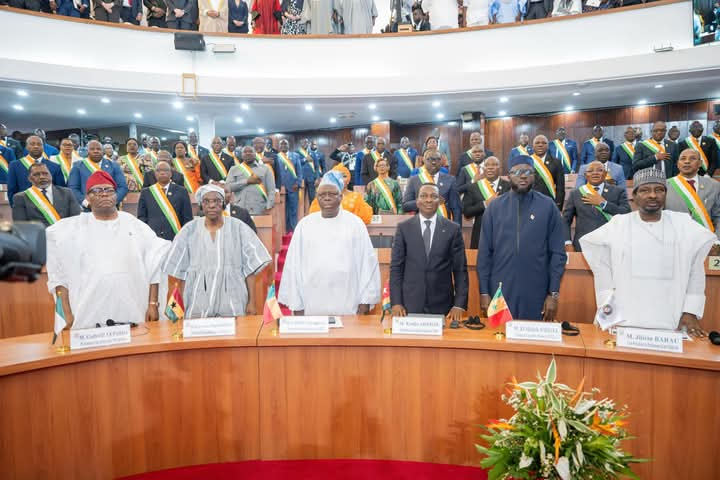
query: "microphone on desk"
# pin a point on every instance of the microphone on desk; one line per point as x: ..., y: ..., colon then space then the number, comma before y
x: 714, y: 338
x: 112, y: 323
x: 569, y: 329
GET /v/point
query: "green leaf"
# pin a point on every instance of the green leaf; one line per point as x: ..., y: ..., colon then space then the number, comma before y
x: 551, y: 372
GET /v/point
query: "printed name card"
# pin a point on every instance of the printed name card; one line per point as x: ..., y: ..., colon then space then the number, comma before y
x: 209, y: 327
x: 539, y: 331
x: 658, y: 340
x: 313, y: 324
x: 99, y: 337
x: 418, y: 325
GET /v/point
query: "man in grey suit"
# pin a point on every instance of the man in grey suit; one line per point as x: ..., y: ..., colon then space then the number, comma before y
x: 707, y: 189
x: 656, y: 152
x: 592, y: 205
x: 30, y: 205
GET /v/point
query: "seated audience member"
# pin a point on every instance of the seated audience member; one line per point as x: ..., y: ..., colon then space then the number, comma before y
x: 235, y: 211
x: 428, y: 269
x: 485, y: 187
x: 613, y: 172
x: 180, y: 14
x: 238, y: 16
x: 214, y: 260
x: 319, y: 277
x: 74, y: 8
x: 88, y: 259
x: 108, y: 11
x: 383, y: 193
x: 254, y: 183
x: 430, y: 173
x: 163, y: 156
x: 131, y: 11
x: 213, y: 16
x: 351, y: 201
x: 18, y: 170
x: 652, y: 260
x: 156, y: 13
x: 694, y: 194
x: 419, y: 19
x: 592, y: 204
x: 43, y: 201
x: 164, y: 206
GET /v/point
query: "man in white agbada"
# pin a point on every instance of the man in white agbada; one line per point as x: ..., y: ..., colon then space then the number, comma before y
x: 358, y: 15
x: 104, y: 264
x: 213, y: 261
x: 443, y: 13
x: 331, y: 267
x: 653, y: 260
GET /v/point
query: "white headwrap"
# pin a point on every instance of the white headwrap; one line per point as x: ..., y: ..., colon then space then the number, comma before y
x: 205, y: 189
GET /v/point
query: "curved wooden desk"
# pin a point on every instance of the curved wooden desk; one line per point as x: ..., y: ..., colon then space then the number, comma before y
x: 352, y: 393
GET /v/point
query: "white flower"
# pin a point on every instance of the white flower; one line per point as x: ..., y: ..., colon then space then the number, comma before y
x: 525, y: 461
x: 584, y: 406
x: 563, y: 468
x: 562, y: 429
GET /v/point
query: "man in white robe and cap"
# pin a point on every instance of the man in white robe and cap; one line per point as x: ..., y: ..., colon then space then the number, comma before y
x: 653, y: 261
x: 105, y: 265
x: 214, y: 259
x: 331, y: 267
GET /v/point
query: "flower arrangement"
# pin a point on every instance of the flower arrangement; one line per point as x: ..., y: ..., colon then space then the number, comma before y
x: 557, y: 433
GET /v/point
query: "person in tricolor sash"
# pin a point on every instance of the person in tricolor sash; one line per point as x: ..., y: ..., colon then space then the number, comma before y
x: 592, y: 204
x: 18, y: 170
x: 352, y: 201
x: 66, y: 157
x: 254, y: 184
x: 652, y: 261
x: 6, y: 156
x: 480, y: 193
x: 549, y: 174
x: 164, y: 206
x: 674, y: 134
x: 613, y: 172
x: 588, y: 149
x: 405, y: 158
x: 291, y: 179
x: 188, y: 167
x: 430, y: 173
x: 716, y: 138
x: 151, y: 153
x: 705, y: 146
x: 695, y: 194
x: 214, y: 166
x: 310, y: 169
x: 623, y: 154
x: 269, y: 159
x: 104, y: 264
x: 368, y: 162
x: 476, y: 138
x: 369, y: 147
x: 134, y: 165
x: 43, y: 201
x: 230, y: 148
x: 522, y: 245
x: 472, y: 172
x: 319, y: 158
x: 656, y: 152
x: 48, y: 149
x: 194, y: 149
x: 83, y: 169
x: 523, y: 148
x: 432, y: 145
x: 383, y: 193
x: 177, y: 177
x: 214, y: 260
x: 565, y: 150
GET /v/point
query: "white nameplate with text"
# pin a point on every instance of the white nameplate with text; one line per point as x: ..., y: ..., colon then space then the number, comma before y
x: 209, y: 327
x: 658, y: 340
x: 99, y: 337
x: 538, y: 331
x: 314, y: 324
x: 713, y: 263
x: 376, y: 220
x: 418, y: 325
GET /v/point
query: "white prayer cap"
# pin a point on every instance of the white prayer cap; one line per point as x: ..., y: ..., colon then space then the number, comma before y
x: 205, y: 189
x: 648, y: 175
x: 334, y: 178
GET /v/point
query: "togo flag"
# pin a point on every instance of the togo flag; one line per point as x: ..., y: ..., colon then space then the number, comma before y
x: 60, y: 321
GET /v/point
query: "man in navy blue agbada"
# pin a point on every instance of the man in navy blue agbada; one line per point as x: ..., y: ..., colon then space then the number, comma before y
x: 522, y: 245
x: 291, y: 178
x: 19, y: 170
x: 82, y: 169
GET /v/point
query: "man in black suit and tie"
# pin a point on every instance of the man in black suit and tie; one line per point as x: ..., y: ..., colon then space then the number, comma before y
x: 549, y: 180
x: 656, y: 152
x: 236, y: 211
x: 43, y: 201
x: 592, y: 205
x: 705, y: 146
x: 430, y: 173
x: 623, y: 154
x: 428, y: 269
x: 480, y: 193
x: 10, y: 142
x: 149, y: 178
x: 164, y: 206
x: 215, y: 165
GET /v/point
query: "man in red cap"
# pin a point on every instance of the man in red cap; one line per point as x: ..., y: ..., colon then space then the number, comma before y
x: 104, y: 264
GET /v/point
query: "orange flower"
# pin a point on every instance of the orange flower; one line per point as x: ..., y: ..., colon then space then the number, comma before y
x: 558, y: 442
x: 578, y: 392
x: 500, y: 425
x: 610, y: 428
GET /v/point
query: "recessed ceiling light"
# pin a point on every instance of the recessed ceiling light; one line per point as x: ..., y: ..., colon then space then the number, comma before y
x: 436, y: 103
x: 177, y: 104
x: 19, y: 108
x: 502, y: 113
x: 308, y: 107
x: 504, y: 99
x: 190, y: 129
x: 333, y: 119
x: 137, y: 115
x: 238, y: 120
x: 659, y: 85
x: 375, y: 118
x: 22, y: 93
x: 452, y: 124
x: 569, y: 108
x: 642, y: 102
x: 576, y: 94
x: 189, y: 118
x: 372, y: 106
x: 81, y: 111
x: 245, y: 106
x: 261, y: 130
x: 105, y: 100
x: 164, y: 139
x: 440, y: 116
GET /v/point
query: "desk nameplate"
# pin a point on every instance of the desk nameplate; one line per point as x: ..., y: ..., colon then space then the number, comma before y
x: 644, y: 339
x: 418, y: 325
x: 310, y: 324
x: 99, y: 337
x: 209, y: 327
x: 535, y: 331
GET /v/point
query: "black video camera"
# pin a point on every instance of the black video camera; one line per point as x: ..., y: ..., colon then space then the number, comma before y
x: 22, y: 251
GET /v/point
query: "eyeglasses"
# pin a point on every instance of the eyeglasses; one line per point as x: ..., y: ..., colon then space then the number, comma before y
x: 212, y: 201
x: 521, y: 171
x: 102, y: 191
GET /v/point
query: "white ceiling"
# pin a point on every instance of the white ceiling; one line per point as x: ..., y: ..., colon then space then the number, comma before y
x: 54, y: 108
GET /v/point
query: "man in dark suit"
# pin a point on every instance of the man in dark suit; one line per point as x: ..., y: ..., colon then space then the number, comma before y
x: 480, y: 193
x: 108, y: 11
x: 132, y: 14
x: 236, y: 211
x: 211, y: 164
x: 554, y: 186
x: 656, y: 152
x: 467, y: 175
x: 419, y: 21
x: 476, y: 138
x: 157, y: 10
x: 164, y: 193
x: 19, y: 169
x: 430, y: 173
x: 180, y: 17
x: 623, y: 154
x: 367, y: 170
x: 428, y: 269
x: 11, y: 143
x: 705, y: 146
x: 587, y: 154
x: 539, y: 9
x: 592, y: 205
x: 149, y: 178
x: 28, y: 205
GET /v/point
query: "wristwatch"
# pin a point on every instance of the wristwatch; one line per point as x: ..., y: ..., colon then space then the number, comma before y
x: 555, y: 295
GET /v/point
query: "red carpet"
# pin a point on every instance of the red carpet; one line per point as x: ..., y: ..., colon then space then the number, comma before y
x: 318, y: 470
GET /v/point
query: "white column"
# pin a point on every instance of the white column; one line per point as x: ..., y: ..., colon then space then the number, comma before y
x: 132, y: 131
x: 206, y: 129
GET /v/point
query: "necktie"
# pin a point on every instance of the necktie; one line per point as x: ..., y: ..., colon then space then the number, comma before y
x: 692, y: 184
x: 426, y: 237
x: 44, y: 192
x: 597, y: 188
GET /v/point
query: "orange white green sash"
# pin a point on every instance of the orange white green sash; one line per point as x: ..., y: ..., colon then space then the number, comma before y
x: 3, y: 143
x: 134, y: 169
x: 692, y: 201
x: 65, y: 166
x: 545, y: 175
x: 310, y: 161
x: 695, y: 145
x: 442, y: 211
x: 375, y: 156
x: 92, y: 166
x: 190, y: 183
x: 716, y: 136
x: 259, y: 158
x: 153, y: 156
x: 168, y: 210
x: 587, y: 191
x: 3, y: 164
x: 246, y: 170
x: 486, y: 188
x: 386, y: 193
x: 629, y: 148
x: 192, y: 152
x: 522, y: 150
x: 564, y: 155
x: 42, y: 204
x: 76, y: 156
x: 27, y: 161
x: 472, y: 169
x: 219, y: 166
x: 654, y: 146
x: 594, y: 141
x: 406, y: 158
x: 288, y: 164
x: 425, y: 176
x: 232, y: 154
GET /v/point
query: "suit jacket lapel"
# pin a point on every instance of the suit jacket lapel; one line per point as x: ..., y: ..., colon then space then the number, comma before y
x: 440, y: 230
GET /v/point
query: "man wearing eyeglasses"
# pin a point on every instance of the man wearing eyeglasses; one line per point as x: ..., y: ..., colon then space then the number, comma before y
x: 105, y: 264
x: 83, y: 169
x: 522, y: 246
